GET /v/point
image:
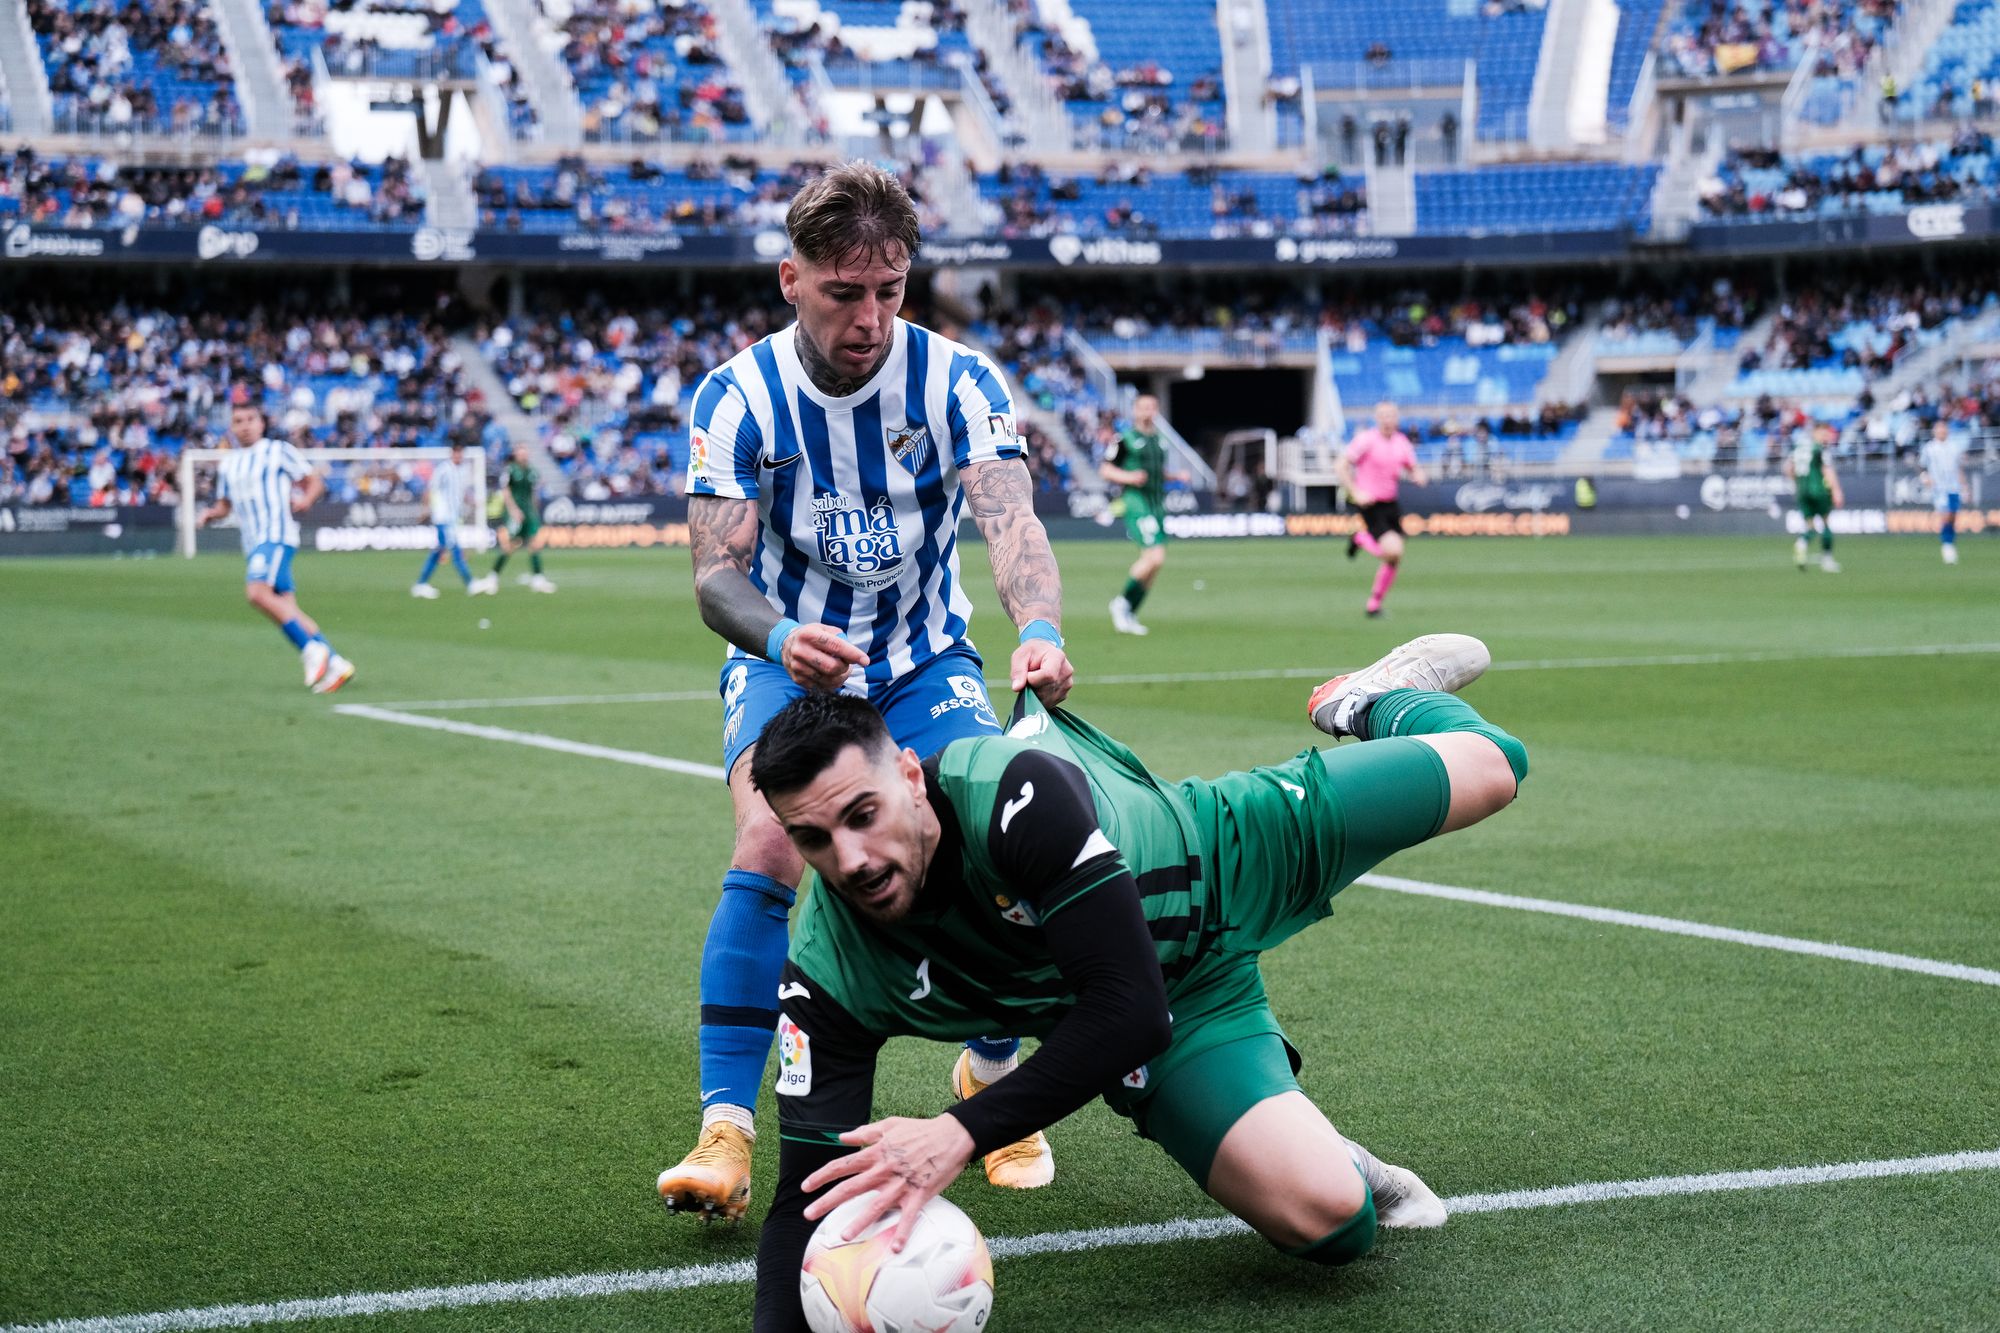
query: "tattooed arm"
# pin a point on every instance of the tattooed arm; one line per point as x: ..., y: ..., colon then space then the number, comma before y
x: 1024, y: 569
x: 723, y: 533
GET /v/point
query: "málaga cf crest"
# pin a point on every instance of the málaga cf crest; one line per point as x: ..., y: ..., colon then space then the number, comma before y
x: 911, y: 447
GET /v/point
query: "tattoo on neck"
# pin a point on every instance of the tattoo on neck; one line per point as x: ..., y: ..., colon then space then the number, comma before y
x: 822, y: 374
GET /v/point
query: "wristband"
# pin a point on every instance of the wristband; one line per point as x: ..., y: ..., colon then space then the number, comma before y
x: 774, y: 644
x: 1041, y: 629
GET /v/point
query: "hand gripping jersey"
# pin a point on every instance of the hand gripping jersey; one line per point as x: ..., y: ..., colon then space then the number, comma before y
x: 969, y: 958
x: 859, y: 496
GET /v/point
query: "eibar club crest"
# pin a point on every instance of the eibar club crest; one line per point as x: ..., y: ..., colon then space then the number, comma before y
x: 911, y: 447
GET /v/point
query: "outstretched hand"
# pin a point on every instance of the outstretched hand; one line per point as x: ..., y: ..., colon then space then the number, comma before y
x: 906, y: 1162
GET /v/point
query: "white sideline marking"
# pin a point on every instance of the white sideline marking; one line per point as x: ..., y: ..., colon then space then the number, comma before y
x: 638, y: 758
x: 1003, y: 1247
x: 1674, y: 926
x: 1269, y: 673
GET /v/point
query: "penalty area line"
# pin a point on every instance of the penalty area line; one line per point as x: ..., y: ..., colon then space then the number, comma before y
x: 637, y: 758
x: 1668, y: 925
x: 1269, y: 673
x: 1003, y: 1247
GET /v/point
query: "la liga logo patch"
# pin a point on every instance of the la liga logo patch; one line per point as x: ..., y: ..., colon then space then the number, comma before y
x: 795, y: 1062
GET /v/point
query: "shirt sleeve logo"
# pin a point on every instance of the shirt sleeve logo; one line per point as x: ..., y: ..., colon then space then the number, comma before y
x: 795, y: 1065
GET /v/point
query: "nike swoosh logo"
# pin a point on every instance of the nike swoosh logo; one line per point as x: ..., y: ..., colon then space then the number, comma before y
x: 793, y: 990
x: 786, y: 461
x: 706, y: 1093
x: 1299, y: 792
x: 1015, y: 806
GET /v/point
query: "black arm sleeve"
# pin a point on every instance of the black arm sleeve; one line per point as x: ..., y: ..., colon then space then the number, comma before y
x: 1050, y: 845
x: 822, y: 1094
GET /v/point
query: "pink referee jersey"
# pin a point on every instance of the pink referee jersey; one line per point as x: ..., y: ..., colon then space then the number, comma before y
x: 1379, y: 460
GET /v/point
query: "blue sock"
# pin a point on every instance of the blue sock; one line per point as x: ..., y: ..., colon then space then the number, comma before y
x: 430, y: 567
x: 993, y: 1048
x: 1948, y: 534
x: 297, y: 634
x: 741, y: 962
x: 458, y: 563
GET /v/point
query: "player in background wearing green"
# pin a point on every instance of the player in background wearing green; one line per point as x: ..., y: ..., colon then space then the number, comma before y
x: 1809, y: 467
x: 520, y: 492
x: 1137, y: 461
x: 1044, y: 882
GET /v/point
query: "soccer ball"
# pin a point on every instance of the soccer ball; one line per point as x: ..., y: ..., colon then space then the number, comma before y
x: 942, y: 1282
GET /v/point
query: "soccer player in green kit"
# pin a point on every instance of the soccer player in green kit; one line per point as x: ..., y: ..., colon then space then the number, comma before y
x: 1045, y: 883
x: 1138, y: 462
x: 1810, y: 467
x: 520, y: 488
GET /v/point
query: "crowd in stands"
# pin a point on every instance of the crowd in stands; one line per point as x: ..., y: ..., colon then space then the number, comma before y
x: 1762, y: 182
x: 450, y: 35
x: 1128, y: 199
x: 1719, y: 37
x: 268, y: 188
x: 647, y: 72
x: 1140, y: 105
x: 1859, y: 327
x: 645, y: 198
x: 1677, y: 316
x: 157, y: 67
x: 97, y: 402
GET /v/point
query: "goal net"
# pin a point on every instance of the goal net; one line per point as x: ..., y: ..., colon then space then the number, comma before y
x: 376, y: 499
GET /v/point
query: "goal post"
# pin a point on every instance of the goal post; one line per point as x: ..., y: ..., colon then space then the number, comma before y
x: 389, y: 483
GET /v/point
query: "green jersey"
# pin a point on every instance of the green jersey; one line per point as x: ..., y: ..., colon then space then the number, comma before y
x: 1146, y: 452
x: 1025, y: 836
x: 521, y: 482
x: 1809, y: 471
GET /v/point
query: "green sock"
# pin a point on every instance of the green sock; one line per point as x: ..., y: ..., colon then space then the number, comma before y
x: 501, y: 562
x: 1826, y: 540
x: 535, y: 561
x: 1432, y: 713
x: 1135, y: 593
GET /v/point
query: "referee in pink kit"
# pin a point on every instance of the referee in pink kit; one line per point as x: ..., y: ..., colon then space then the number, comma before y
x: 1375, y: 463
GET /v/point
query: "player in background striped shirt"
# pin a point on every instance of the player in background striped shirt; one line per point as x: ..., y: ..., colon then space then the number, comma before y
x: 829, y: 466
x: 266, y: 484
x: 446, y: 493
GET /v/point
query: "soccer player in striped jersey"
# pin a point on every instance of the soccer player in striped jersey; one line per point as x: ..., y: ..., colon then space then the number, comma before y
x: 267, y: 484
x: 829, y: 466
x: 1046, y: 877
x: 446, y: 493
x: 1944, y: 467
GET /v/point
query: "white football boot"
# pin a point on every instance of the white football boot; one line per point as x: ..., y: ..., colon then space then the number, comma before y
x: 1799, y: 550
x: 1122, y: 618
x: 485, y: 584
x: 1446, y: 662
x: 540, y: 583
x: 338, y: 672
x: 1401, y: 1197
x: 1829, y: 564
x: 424, y: 592
x: 315, y: 656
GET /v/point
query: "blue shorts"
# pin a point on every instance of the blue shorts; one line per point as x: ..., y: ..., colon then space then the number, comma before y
x: 1945, y: 502
x: 447, y: 536
x: 271, y: 563
x: 941, y: 701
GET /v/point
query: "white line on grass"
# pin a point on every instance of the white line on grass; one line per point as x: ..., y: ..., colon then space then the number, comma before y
x: 1673, y: 926
x: 1271, y: 673
x: 1394, y: 883
x: 557, y: 700
x: 638, y: 758
x: 1004, y: 1247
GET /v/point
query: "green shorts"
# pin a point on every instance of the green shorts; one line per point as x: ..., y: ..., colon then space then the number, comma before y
x: 525, y: 530
x: 1815, y: 506
x: 1143, y: 524
x: 1278, y: 843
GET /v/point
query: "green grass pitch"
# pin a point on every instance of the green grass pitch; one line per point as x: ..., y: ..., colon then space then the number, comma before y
x: 295, y: 1004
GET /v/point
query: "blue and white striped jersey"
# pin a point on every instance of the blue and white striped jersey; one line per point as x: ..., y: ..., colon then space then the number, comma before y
x: 447, y: 491
x: 859, y: 496
x: 257, y: 482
